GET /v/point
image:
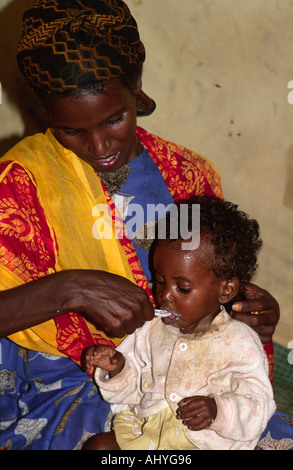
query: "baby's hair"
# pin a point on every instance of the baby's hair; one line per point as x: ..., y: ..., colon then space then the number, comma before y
x: 235, y: 238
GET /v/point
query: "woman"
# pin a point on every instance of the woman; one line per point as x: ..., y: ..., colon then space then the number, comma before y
x: 63, y: 286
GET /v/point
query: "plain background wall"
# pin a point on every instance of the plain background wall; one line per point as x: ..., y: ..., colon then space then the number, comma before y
x: 219, y: 72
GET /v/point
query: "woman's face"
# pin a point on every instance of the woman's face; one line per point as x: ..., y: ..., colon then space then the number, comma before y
x: 99, y: 128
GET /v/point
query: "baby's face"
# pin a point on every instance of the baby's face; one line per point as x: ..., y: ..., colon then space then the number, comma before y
x: 185, y: 286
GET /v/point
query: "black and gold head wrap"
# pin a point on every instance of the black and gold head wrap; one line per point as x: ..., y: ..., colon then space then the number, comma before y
x: 71, y: 44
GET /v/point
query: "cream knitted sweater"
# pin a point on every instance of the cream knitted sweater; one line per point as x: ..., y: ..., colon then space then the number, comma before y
x: 226, y: 361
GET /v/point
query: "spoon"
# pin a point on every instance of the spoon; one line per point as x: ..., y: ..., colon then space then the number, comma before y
x: 162, y: 313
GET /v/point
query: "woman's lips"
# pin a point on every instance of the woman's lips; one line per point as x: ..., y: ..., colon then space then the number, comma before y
x: 107, y: 162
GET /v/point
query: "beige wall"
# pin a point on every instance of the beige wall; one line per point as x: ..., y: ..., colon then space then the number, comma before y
x: 219, y: 72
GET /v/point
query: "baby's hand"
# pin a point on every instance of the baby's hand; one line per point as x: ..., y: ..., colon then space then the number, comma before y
x: 197, y: 412
x: 104, y: 357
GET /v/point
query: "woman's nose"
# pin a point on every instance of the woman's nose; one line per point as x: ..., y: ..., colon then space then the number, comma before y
x: 99, y: 144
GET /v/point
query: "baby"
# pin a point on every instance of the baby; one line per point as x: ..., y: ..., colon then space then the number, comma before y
x: 197, y: 378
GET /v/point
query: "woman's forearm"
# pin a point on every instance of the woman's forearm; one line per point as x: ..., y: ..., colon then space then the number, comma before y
x: 112, y: 303
x: 32, y: 303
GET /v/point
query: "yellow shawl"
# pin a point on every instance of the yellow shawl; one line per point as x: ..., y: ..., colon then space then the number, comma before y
x: 68, y: 190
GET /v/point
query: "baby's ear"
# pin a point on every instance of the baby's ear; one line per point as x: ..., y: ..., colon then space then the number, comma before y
x: 228, y: 290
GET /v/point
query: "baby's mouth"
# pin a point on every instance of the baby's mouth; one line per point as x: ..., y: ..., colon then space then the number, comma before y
x: 171, y: 319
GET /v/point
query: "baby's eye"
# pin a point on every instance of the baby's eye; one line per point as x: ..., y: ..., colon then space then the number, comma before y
x: 183, y: 290
x: 70, y: 131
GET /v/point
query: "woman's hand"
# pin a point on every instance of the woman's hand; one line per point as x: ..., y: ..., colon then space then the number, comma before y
x: 197, y: 412
x: 112, y: 303
x: 267, y: 308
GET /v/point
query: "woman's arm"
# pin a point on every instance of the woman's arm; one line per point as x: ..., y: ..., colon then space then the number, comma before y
x: 112, y: 303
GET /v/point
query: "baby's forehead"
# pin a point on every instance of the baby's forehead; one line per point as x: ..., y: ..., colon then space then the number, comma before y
x: 171, y: 260
x: 202, y: 253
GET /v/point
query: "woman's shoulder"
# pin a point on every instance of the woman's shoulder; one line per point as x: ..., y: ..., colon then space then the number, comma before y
x: 24, y: 147
x: 159, y: 143
x: 185, y: 172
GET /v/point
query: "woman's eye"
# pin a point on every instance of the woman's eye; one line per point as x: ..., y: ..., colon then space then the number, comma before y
x: 115, y: 122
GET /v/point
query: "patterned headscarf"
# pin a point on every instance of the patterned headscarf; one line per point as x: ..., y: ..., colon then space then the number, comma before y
x: 67, y: 44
